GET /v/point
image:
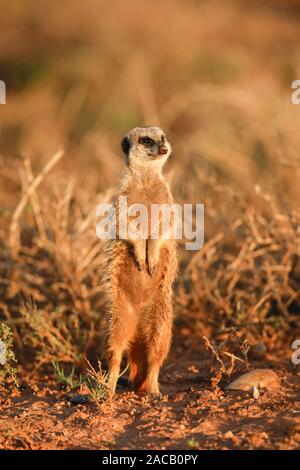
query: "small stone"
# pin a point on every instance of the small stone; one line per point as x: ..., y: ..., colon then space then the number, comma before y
x: 258, y: 350
x: 258, y: 378
x: 79, y: 399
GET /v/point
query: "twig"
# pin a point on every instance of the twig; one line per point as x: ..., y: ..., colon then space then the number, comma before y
x: 35, y: 203
x: 14, y: 238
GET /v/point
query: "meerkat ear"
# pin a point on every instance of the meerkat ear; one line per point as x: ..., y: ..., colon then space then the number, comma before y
x: 125, y: 144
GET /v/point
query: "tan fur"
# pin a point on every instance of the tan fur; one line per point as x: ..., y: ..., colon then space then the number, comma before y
x: 140, y: 274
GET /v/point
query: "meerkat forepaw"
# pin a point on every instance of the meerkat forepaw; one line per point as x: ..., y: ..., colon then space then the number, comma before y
x: 152, y: 262
x: 152, y: 268
x: 141, y: 265
x: 139, y: 253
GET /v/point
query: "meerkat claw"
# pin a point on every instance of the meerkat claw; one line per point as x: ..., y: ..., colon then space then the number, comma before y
x: 141, y: 265
x: 155, y: 396
x: 151, y: 270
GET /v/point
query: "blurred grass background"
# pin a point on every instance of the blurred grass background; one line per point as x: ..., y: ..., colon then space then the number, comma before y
x: 215, y: 74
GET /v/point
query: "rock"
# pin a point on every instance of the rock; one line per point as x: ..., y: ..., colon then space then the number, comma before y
x: 257, y: 378
x: 258, y: 350
x: 79, y: 399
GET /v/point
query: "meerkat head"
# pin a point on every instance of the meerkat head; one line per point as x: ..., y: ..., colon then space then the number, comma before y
x: 146, y: 146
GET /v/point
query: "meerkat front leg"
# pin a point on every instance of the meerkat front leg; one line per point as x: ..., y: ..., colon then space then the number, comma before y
x: 153, y: 249
x: 139, y: 251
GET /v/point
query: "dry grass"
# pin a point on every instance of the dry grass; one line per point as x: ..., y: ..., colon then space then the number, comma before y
x: 79, y: 81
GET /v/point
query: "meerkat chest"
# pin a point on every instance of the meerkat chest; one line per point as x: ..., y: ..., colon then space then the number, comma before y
x: 154, y: 191
x: 141, y: 203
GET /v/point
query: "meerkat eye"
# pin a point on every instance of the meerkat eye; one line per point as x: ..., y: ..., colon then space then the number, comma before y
x: 146, y: 141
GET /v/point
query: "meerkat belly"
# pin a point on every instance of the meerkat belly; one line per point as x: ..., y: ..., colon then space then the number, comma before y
x: 139, y: 287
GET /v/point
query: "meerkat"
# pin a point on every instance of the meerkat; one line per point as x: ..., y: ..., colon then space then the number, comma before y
x: 140, y: 272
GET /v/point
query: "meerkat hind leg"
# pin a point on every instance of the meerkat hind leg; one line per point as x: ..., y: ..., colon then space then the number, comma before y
x: 138, y: 363
x: 122, y: 330
x: 114, y: 372
x: 158, y: 345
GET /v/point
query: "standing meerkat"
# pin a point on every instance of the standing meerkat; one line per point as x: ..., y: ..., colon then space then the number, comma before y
x: 140, y: 272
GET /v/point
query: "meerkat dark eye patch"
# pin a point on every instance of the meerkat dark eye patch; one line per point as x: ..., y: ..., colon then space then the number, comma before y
x: 125, y: 144
x: 146, y: 141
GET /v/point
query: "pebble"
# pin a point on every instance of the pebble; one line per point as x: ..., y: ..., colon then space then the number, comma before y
x: 257, y: 378
x: 79, y: 399
x: 258, y: 350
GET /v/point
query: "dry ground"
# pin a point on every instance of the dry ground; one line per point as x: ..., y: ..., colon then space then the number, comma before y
x: 216, y: 75
x: 190, y: 415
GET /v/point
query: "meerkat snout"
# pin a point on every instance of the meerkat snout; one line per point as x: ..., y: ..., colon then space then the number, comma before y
x: 162, y: 150
x: 144, y: 145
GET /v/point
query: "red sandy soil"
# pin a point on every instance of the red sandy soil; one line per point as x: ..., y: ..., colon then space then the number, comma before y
x: 189, y: 415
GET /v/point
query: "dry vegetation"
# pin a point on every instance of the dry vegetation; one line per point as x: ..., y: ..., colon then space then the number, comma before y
x: 216, y: 75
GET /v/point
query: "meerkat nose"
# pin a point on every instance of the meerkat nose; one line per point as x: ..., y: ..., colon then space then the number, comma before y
x: 162, y: 150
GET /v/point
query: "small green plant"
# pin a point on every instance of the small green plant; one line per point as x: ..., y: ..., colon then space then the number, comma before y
x: 93, y: 380
x: 67, y: 379
x: 96, y: 382
x: 7, y: 356
x: 193, y: 443
x: 51, y: 335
